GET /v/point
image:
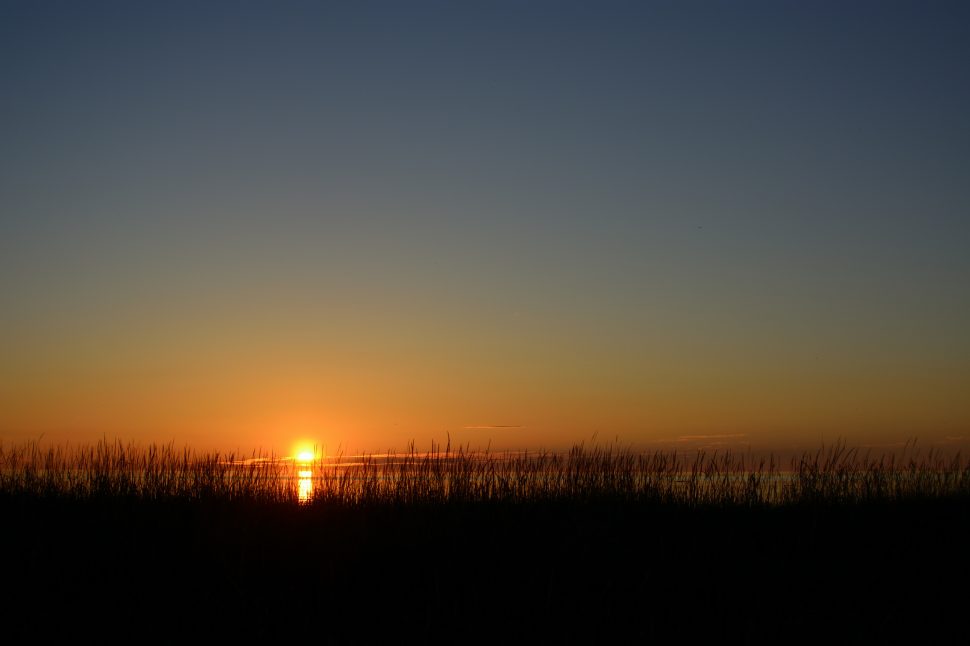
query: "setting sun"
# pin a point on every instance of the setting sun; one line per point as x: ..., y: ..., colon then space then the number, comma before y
x: 305, y: 456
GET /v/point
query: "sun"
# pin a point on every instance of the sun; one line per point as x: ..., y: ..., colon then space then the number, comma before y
x: 306, y: 451
x: 305, y: 456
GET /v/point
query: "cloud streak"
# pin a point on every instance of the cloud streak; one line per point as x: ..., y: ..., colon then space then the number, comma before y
x: 704, y: 438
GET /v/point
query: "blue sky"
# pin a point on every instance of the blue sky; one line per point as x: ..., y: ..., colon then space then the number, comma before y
x: 566, y: 217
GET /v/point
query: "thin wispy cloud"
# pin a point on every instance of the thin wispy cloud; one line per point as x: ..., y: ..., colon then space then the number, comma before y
x: 716, y: 436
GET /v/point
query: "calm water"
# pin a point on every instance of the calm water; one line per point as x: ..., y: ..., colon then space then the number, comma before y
x: 305, y: 485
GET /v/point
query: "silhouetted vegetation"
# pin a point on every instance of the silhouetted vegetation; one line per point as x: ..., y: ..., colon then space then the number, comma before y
x: 837, y: 475
x: 456, y: 546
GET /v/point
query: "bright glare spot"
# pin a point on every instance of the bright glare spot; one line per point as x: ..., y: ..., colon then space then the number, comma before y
x: 305, y: 486
x: 305, y: 456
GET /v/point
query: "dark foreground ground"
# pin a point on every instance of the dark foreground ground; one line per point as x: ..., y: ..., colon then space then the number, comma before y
x: 552, y: 573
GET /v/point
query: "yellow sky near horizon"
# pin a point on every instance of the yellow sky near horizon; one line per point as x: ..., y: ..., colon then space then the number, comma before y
x: 371, y: 395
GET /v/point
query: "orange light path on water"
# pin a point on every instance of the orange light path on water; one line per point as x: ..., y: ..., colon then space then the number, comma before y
x: 304, y: 458
x: 305, y: 486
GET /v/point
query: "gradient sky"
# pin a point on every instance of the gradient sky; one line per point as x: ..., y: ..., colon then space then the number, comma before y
x: 241, y: 224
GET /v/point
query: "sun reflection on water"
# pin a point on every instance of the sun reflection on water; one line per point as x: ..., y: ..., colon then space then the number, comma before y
x: 303, y: 459
x: 305, y: 484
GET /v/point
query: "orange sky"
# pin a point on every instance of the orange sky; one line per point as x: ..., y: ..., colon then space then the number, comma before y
x: 221, y: 385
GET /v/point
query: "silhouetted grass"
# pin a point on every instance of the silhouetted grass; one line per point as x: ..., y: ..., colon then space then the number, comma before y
x: 833, y: 475
x: 597, y: 544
